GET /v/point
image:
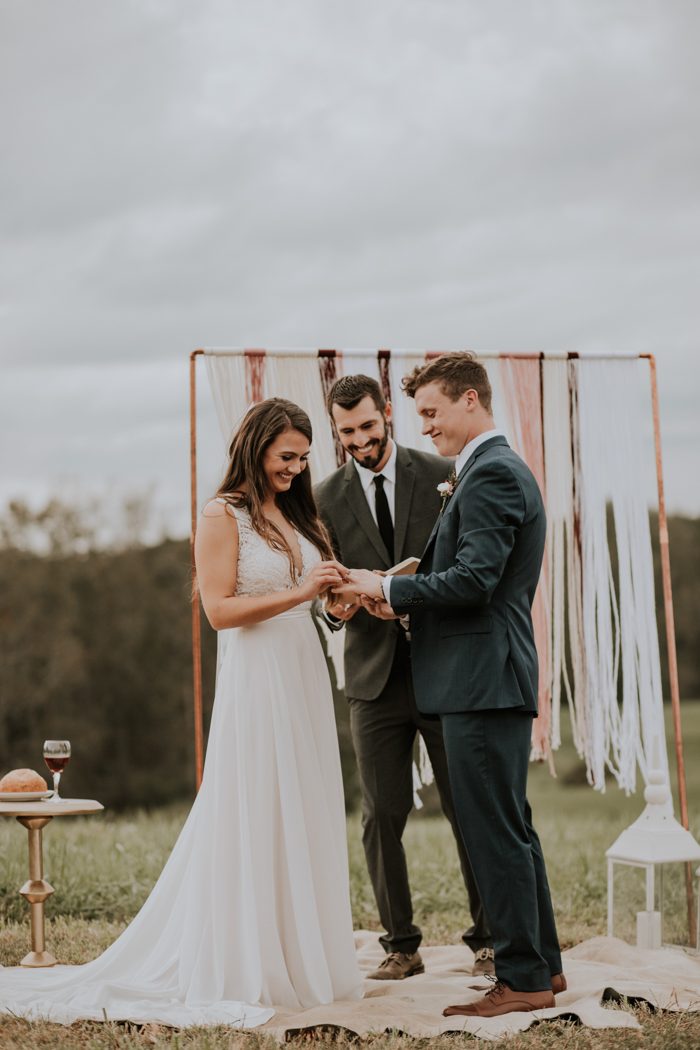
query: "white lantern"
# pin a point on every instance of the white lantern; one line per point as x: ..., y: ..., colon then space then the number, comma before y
x: 654, y: 839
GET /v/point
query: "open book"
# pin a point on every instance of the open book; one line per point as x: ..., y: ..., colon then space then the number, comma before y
x: 404, y: 568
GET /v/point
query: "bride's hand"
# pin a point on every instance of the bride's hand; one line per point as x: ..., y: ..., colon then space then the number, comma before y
x: 325, y: 575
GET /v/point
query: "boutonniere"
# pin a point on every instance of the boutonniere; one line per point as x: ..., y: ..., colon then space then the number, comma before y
x: 446, y: 488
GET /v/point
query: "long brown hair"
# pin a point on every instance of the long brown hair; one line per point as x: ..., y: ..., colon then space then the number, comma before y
x: 245, y: 482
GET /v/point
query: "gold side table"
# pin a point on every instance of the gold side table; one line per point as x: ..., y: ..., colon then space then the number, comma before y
x: 34, y: 816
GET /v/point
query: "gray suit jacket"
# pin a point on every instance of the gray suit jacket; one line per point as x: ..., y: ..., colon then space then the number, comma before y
x: 370, y: 643
x: 473, y: 646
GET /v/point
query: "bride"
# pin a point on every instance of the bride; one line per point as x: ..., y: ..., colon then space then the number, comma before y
x: 252, y: 909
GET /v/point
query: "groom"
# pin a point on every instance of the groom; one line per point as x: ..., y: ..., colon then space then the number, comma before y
x: 379, y: 509
x: 475, y: 665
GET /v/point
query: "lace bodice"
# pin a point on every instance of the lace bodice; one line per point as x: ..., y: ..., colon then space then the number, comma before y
x: 261, y: 569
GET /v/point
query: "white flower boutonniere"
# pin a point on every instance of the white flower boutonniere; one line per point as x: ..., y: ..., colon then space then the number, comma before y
x: 446, y: 488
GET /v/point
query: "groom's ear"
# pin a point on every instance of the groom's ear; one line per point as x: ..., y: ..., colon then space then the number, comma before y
x: 470, y: 397
x: 388, y: 412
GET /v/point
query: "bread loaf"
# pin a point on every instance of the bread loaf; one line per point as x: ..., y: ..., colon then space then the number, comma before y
x: 22, y: 780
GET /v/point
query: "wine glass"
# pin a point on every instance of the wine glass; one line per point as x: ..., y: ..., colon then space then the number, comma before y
x: 57, y: 757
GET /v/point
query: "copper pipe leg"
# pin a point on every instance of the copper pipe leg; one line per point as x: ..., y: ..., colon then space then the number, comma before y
x: 35, y: 891
x: 671, y: 635
x: 196, y: 619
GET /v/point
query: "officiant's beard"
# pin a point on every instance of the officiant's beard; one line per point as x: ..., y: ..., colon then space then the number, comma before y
x: 375, y: 455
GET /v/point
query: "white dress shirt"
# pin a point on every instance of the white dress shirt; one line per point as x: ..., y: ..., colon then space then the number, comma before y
x: 367, y: 477
x: 460, y: 462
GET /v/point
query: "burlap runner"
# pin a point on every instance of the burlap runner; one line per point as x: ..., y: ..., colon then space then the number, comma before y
x: 667, y: 978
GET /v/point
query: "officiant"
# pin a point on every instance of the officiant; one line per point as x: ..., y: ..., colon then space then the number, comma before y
x: 379, y: 509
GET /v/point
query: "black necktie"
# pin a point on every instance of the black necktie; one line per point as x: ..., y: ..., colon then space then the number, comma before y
x: 386, y: 525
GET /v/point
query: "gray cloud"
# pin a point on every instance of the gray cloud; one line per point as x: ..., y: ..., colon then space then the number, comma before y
x: 416, y: 173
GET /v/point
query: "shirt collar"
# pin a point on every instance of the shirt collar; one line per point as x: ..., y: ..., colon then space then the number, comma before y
x: 472, y: 446
x: 367, y: 476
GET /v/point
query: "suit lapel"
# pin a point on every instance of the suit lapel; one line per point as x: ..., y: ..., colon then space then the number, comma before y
x: 431, y: 538
x: 479, y: 451
x: 357, y: 502
x: 460, y: 479
x: 405, y: 480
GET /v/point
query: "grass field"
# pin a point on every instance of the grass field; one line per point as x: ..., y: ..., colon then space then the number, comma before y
x: 103, y: 868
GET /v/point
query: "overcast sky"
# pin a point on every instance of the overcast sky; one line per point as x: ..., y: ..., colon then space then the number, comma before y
x: 415, y: 173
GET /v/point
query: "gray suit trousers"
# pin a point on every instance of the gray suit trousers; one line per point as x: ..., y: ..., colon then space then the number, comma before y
x: 383, y: 733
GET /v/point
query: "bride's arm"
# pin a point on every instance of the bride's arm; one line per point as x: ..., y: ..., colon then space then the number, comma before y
x: 216, y: 558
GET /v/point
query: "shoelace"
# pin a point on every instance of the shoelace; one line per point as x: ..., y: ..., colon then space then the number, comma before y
x: 391, y: 957
x: 498, y: 987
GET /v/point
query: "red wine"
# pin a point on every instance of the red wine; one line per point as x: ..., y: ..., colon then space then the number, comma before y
x: 57, y: 763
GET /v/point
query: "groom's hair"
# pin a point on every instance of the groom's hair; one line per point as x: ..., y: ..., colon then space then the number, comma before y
x: 348, y: 391
x: 455, y: 372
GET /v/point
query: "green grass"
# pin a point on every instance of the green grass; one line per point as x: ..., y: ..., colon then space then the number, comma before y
x: 104, y: 867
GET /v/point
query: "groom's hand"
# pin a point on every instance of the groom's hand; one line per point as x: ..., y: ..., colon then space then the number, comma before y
x: 360, y: 582
x: 381, y: 609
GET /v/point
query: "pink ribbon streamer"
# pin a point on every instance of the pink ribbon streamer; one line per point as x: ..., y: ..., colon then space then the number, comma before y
x: 522, y: 383
x: 254, y: 375
x: 383, y: 359
x: 328, y: 369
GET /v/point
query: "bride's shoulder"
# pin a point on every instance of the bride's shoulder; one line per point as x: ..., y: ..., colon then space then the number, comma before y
x: 220, y: 507
x: 221, y: 513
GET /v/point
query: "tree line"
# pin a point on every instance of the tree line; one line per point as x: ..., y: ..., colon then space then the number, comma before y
x: 95, y: 647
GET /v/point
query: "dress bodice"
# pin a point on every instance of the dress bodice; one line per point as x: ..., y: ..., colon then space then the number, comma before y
x: 261, y: 568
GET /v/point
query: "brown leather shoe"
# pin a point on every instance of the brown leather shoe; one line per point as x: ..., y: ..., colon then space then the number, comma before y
x: 483, y: 963
x: 502, y: 1000
x: 558, y: 983
x: 397, y: 966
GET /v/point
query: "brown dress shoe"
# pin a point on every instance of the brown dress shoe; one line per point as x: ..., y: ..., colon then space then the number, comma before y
x: 558, y: 983
x: 502, y: 1000
x: 484, y: 965
x: 397, y: 966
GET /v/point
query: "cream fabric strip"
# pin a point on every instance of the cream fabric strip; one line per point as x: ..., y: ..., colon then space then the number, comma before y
x: 621, y: 648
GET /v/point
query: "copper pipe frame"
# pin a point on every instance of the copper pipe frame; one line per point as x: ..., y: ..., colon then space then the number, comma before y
x: 665, y: 574
x: 671, y: 634
x: 196, y: 614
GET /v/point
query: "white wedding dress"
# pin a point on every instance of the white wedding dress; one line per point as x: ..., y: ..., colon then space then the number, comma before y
x: 252, y: 909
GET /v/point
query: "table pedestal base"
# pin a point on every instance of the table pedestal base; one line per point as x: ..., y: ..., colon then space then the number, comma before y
x: 35, y: 891
x: 34, y: 816
x: 36, y: 959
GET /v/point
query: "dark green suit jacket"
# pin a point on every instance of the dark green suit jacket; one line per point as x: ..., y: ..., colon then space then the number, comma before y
x: 472, y: 640
x: 370, y: 643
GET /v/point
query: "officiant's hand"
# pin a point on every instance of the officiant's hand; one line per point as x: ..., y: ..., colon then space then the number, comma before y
x: 359, y: 582
x: 382, y: 610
